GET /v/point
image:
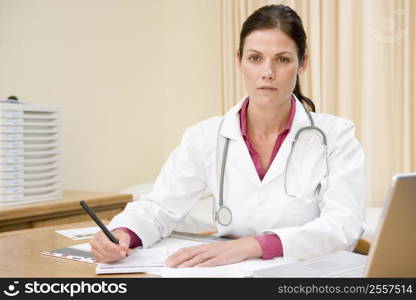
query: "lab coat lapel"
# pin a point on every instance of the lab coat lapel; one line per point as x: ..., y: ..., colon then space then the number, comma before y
x: 238, y: 155
x: 241, y: 160
x: 278, y: 165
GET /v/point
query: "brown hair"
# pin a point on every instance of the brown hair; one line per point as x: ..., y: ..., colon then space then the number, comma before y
x: 288, y: 21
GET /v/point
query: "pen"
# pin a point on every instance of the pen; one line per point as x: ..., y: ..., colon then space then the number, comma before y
x: 99, y: 223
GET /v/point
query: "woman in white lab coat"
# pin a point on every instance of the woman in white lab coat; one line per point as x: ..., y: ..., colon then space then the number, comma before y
x: 308, y: 207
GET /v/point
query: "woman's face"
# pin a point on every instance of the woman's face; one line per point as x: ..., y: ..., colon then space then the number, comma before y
x: 269, y: 65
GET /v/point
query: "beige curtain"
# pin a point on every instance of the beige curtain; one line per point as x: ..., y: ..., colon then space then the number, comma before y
x: 234, y: 12
x: 362, y: 67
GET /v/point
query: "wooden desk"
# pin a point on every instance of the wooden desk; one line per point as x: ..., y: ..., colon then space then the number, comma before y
x: 62, y: 211
x: 20, y: 254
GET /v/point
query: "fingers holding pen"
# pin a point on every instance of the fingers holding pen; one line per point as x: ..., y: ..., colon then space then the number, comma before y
x: 123, y: 240
x: 106, y: 251
x: 102, y: 249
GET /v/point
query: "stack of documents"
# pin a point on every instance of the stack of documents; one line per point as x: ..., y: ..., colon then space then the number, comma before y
x: 152, y: 261
x: 29, y: 153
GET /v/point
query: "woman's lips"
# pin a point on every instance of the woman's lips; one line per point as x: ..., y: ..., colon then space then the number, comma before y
x: 267, y: 89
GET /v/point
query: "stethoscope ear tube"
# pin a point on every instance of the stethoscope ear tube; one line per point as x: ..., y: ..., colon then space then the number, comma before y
x: 224, y: 160
x: 223, y: 215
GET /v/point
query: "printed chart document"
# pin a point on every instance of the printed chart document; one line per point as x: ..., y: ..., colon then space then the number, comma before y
x: 80, y: 252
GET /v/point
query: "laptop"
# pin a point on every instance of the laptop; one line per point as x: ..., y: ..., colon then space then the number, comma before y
x: 392, y: 250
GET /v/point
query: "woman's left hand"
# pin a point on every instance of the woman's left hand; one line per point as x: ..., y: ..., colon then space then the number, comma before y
x: 215, y: 254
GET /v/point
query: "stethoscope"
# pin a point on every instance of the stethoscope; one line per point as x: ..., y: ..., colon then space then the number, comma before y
x: 223, y: 215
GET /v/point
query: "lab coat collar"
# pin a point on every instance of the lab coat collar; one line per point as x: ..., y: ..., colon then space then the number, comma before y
x: 278, y: 165
x: 231, y: 126
x: 231, y: 129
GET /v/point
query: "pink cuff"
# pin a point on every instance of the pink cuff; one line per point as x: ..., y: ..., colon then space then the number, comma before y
x: 135, y: 241
x: 271, y: 245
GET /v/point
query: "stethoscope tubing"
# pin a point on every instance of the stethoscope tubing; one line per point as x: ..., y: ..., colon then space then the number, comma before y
x: 225, y: 209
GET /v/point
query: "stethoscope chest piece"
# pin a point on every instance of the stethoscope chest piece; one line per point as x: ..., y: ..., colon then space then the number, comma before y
x: 224, y: 216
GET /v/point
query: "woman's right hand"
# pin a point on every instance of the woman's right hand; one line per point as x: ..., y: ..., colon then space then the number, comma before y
x: 105, y: 251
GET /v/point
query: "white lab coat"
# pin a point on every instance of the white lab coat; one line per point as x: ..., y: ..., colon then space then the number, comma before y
x: 321, y: 222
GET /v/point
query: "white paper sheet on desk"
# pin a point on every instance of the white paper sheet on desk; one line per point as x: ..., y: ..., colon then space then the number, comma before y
x: 172, y: 244
x: 161, y: 250
x: 237, y: 270
x: 150, y: 260
x: 241, y: 269
x: 141, y: 260
x: 79, y: 233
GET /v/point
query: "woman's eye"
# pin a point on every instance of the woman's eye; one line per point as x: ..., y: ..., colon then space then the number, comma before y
x: 254, y: 58
x: 283, y: 59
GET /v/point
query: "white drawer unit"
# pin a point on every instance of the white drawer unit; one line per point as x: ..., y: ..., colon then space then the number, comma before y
x: 30, y: 169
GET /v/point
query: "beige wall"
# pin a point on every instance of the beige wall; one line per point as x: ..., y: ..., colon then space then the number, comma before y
x: 129, y: 77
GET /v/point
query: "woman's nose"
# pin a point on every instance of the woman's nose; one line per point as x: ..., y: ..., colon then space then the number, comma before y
x: 267, y: 77
x: 267, y: 72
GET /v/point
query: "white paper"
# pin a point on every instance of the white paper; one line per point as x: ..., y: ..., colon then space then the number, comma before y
x: 247, y: 267
x: 79, y: 233
x: 141, y: 260
x: 172, y: 244
x: 236, y: 270
x: 241, y: 269
x: 150, y: 260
